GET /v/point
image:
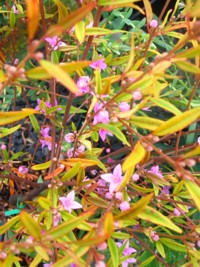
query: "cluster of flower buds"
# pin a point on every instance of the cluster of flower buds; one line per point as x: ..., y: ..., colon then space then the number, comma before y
x: 187, y: 162
x: 13, y: 72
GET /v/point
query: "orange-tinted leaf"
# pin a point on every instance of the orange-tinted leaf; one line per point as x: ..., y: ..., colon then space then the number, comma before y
x: 55, y: 173
x: 33, y: 15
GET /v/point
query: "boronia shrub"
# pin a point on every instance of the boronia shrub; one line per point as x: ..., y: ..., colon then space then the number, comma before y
x: 99, y: 133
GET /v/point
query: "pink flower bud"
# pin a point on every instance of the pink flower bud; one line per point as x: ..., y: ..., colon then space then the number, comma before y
x: 153, y: 23
x: 3, y: 147
x: 137, y: 95
x: 70, y: 137
x: 123, y: 106
x: 124, y: 206
x: 135, y: 177
x: 102, y: 246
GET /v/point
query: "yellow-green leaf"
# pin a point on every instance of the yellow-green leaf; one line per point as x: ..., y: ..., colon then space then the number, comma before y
x: 113, y: 252
x: 8, y: 225
x: 13, y: 116
x: 35, y: 123
x: 135, y: 157
x: 178, y: 122
x: 84, y: 162
x: 71, y: 20
x: 187, y: 66
x: 72, y: 172
x: 114, y: 130
x: 173, y: 244
x: 42, y: 166
x: 166, y: 105
x: 108, y: 223
x: 57, y: 72
x: 33, y: 16
x: 193, y: 152
x: 68, y: 226
x: 146, y: 122
x: 44, y: 203
x: 39, y: 73
x: 36, y: 261
x: 148, y: 10
x: 113, y: 2
x: 135, y: 209
x: 31, y: 226
x: 80, y: 31
x: 42, y: 252
x: 62, y: 11
x: 189, y: 53
x: 160, y: 249
x: 151, y: 215
x: 194, y: 191
x: 6, y: 131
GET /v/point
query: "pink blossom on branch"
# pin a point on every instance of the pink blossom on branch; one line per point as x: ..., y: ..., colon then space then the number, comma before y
x: 127, y: 252
x: 83, y: 84
x: 103, y: 133
x: 23, y: 169
x: 68, y: 202
x: 55, y: 42
x: 100, y: 64
x: 114, y: 179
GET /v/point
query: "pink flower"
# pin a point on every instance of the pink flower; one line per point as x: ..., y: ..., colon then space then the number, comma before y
x: 68, y: 202
x: 45, y: 132
x: 55, y: 42
x: 102, y: 246
x: 99, y: 64
x: 127, y: 252
x: 3, y: 147
x: 15, y: 10
x: 48, y: 264
x: 154, y: 236
x: 22, y: 169
x: 177, y: 212
x: 56, y: 218
x: 124, y: 205
x: 70, y: 137
x: 123, y: 106
x: 114, y: 178
x: 83, y: 84
x: 198, y: 243
x: 137, y: 95
x: 153, y: 23
x: 103, y: 134
x: 198, y: 140
x: 155, y: 170
x: 135, y: 177
x: 100, y: 264
x: 101, y: 116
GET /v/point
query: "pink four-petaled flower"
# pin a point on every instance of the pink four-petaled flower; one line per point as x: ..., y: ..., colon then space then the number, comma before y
x: 68, y: 202
x: 55, y: 42
x: 114, y: 178
x: 100, y: 64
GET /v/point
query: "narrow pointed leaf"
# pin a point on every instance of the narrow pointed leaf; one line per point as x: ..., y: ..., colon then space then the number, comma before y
x: 194, y: 191
x: 146, y: 122
x: 135, y: 157
x: 6, y: 131
x: 57, y: 72
x: 8, y: 225
x: 42, y: 166
x: 178, y: 122
x: 33, y: 16
x: 114, y: 252
x: 173, y: 244
x: 13, y: 116
x: 166, y: 105
x: 151, y: 215
x: 31, y: 226
x: 135, y: 209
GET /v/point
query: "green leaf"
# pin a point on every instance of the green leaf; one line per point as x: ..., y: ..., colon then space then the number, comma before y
x: 172, y: 244
x: 31, y: 226
x: 166, y: 105
x: 57, y: 72
x: 146, y: 262
x: 120, y: 235
x: 160, y: 249
x: 9, y: 224
x: 188, y: 67
x: 97, y: 201
x: 151, y: 215
x: 66, y: 227
x: 35, y: 123
x: 71, y: 173
x: 9, y: 260
x: 194, y: 191
x: 114, y: 130
x: 189, y: 53
x: 42, y: 252
x: 193, y: 152
x: 135, y: 209
x: 113, y: 252
x: 6, y: 131
x: 44, y: 203
x: 13, y: 116
x: 80, y: 31
x: 36, y: 261
x: 142, y: 84
x: 134, y: 157
x: 62, y: 10
x: 145, y: 122
x: 42, y: 166
x: 112, y: 3
x: 178, y: 122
